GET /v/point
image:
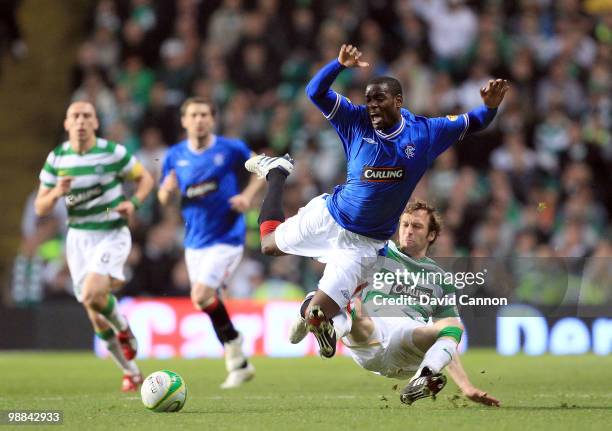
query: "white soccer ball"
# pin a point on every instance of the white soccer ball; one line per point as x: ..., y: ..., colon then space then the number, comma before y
x: 164, y: 391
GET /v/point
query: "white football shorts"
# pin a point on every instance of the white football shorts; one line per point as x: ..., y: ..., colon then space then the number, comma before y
x: 390, y: 351
x: 349, y: 257
x: 102, y: 252
x: 212, y: 266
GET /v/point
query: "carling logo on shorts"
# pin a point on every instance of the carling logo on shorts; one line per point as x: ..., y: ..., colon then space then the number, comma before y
x: 200, y: 190
x: 387, y: 175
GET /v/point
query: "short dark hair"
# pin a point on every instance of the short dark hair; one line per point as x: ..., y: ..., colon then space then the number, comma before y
x: 435, y: 222
x: 198, y: 101
x: 394, y: 86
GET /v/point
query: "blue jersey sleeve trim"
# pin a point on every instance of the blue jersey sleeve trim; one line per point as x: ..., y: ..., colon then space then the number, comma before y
x: 480, y: 118
x: 335, y: 108
x: 466, y: 120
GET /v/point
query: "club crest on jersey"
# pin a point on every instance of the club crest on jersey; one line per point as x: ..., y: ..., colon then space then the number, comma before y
x: 409, y: 151
x: 200, y: 190
x: 391, y: 174
x: 219, y: 159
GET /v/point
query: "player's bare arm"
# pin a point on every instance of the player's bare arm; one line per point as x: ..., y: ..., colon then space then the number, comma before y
x: 144, y: 184
x: 244, y: 200
x: 459, y: 375
x: 168, y: 188
x: 48, y: 196
x: 362, y: 325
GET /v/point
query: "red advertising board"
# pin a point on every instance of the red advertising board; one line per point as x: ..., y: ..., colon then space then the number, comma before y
x: 171, y: 327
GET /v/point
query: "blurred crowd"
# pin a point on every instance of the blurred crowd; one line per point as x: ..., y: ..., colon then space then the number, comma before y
x: 535, y: 184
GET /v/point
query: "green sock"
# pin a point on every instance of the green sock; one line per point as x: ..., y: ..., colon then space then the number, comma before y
x: 113, y: 316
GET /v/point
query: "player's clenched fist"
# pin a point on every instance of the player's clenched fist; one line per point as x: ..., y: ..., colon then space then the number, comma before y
x: 62, y: 188
x: 349, y: 56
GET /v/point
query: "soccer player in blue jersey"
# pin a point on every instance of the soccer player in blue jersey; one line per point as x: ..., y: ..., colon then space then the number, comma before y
x: 388, y: 149
x: 204, y: 169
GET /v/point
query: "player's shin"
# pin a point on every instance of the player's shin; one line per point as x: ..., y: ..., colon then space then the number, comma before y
x: 113, y: 316
x: 272, y: 214
x: 114, y: 348
x: 221, y: 321
x: 441, y: 353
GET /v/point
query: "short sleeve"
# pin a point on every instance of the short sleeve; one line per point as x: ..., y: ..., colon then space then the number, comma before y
x: 243, y: 152
x: 344, y: 116
x: 127, y: 162
x: 444, y: 132
x: 48, y: 174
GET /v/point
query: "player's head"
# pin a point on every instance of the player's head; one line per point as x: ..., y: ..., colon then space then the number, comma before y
x: 81, y: 122
x: 419, y: 228
x: 197, y: 117
x: 384, y: 99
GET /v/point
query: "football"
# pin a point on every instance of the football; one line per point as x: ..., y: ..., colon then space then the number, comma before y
x: 164, y: 391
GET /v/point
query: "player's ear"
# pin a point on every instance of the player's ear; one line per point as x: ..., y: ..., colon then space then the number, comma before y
x: 431, y: 236
x: 399, y: 101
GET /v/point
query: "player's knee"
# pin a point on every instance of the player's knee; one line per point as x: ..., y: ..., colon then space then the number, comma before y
x: 268, y: 248
x: 202, y: 296
x: 95, y: 299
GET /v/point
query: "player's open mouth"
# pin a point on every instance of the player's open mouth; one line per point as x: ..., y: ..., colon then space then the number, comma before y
x: 375, y: 118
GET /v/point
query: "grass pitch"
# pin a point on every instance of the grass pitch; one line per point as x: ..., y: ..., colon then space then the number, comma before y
x: 546, y: 392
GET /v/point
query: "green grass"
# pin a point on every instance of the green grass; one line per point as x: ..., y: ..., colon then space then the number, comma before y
x: 547, y: 392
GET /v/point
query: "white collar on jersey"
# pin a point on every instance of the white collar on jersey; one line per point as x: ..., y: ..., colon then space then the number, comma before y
x: 197, y: 152
x: 394, y: 133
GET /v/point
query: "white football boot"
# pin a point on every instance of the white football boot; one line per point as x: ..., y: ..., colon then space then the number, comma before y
x: 262, y: 164
x: 235, y: 362
x: 299, y: 327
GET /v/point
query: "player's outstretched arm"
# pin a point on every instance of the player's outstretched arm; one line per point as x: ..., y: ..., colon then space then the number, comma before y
x: 492, y: 96
x: 318, y: 89
x: 458, y: 374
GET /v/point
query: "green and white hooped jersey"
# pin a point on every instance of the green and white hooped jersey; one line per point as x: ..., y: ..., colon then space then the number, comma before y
x: 96, y: 187
x: 420, y: 284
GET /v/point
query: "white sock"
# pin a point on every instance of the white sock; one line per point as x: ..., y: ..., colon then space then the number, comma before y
x: 342, y: 324
x: 128, y: 367
x: 439, y: 355
x: 113, y: 316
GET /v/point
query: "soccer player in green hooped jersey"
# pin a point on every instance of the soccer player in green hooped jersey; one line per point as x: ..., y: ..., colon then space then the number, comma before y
x: 398, y: 346
x: 88, y: 173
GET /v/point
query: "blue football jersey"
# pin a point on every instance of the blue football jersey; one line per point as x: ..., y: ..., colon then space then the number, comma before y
x: 207, y: 180
x: 384, y: 167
